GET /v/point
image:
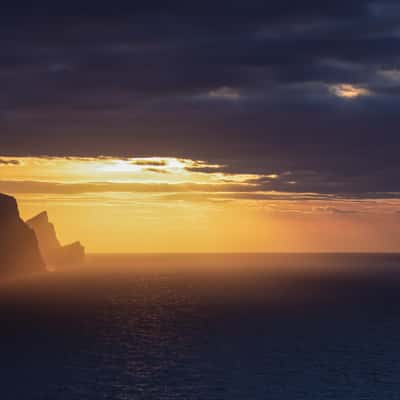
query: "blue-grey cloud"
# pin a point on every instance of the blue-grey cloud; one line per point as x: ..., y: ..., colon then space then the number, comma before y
x: 176, y: 79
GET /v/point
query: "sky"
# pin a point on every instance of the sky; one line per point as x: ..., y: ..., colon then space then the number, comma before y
x: 205, y: 126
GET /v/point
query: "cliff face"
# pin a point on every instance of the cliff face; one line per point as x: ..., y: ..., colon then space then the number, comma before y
x: 45, y: 232
x: 19, y: 249
x: 53, y: 252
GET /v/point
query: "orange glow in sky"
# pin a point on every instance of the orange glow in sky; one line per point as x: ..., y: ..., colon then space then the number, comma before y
x: 181, y: 205
x: 348, y: 91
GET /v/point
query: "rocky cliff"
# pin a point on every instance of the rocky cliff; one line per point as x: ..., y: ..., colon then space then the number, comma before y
x: 19, y: 249
x: 53, y: 252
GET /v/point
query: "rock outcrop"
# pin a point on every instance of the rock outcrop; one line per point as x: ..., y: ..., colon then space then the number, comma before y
x: 19, y: 248
x: 53, y: 252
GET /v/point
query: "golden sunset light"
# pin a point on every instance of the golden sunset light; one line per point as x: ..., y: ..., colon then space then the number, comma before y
x: 200, y: 200
x: 349, y: 91
x: 174, y: 205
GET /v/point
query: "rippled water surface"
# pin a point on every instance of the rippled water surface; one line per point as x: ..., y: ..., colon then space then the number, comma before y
x: 205, y: 327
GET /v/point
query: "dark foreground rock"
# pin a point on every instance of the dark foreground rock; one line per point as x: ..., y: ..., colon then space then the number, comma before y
x: 53, y: 252
x: 19, y: 248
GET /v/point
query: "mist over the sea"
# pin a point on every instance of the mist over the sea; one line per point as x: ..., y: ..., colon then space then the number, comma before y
x: 204, y: 327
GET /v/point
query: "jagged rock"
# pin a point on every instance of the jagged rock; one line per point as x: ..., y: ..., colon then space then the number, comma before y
x: 19, y: 248
x: 54, y: 253
x: 72, y: 254
x: 45, y: 232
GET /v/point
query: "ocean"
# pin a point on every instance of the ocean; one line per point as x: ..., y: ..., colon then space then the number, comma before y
x: 226, y: 326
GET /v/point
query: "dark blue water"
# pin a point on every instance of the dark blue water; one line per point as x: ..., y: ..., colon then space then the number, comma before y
x: 204, y: 327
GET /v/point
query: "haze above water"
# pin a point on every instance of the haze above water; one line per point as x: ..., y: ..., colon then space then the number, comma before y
x: 205, y: 327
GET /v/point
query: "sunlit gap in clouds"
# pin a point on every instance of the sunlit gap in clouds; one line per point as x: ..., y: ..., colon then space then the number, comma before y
x: 109, y: 169
x: 169, y: 204
x: 348, y: 91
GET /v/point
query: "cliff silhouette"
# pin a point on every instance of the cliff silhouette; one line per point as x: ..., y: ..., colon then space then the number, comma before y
x: 19, y: 247
x: 53, y: 252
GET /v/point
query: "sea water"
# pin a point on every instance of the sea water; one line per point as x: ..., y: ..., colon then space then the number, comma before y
x: 204, y: 327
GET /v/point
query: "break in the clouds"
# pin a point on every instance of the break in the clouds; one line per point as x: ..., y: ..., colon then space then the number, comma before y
x: 307, y: 91
x: 176, y: 178
x: 169, y: 182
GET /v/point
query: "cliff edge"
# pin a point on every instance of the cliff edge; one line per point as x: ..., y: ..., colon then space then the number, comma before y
x: 19, y: 248
x: 53, y: 252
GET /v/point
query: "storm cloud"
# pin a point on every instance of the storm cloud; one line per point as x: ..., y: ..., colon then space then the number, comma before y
x: 308, y: 90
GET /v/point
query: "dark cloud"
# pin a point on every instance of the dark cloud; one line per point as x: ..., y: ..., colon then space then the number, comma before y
x: 157, y: 170
x: 188, y: 191
x: 9, y: 162
x: 150, y: 163
x: 251, y: 85
x: 206, y: 169
x: 42, y: 187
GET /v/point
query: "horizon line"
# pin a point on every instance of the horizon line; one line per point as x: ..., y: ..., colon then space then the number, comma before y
x: 251, y: 253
